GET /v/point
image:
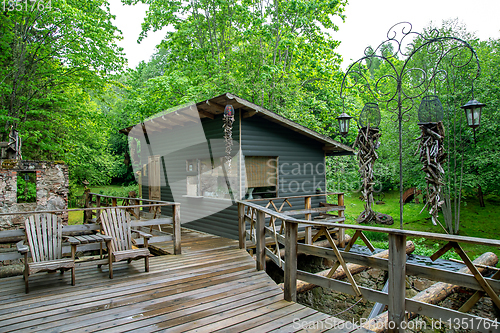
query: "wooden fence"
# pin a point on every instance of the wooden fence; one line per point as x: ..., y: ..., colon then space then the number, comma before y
x: 93, y: 225
x: 283, y: 228
x: 279, y: 204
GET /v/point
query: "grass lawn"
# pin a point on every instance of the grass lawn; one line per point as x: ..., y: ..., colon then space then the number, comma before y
x: 112, y: 190
x: 475, y: 221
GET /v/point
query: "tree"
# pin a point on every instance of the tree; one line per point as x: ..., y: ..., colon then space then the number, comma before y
x: 267, y: 52
x: 47, y: 46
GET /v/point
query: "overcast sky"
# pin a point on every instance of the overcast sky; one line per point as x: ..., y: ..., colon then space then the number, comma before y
x: 366, y: 24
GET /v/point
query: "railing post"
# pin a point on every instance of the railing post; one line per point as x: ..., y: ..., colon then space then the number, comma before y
x: 176, y: 224
x: 137, y: 210
x: 87, y: 214
x: 242, y: 226
x: 98, y: 204
x: 341, y: 214
x: 260, y: 235
x: 114, y: 203
x: 290, y: 283
x: 308, y: 235
x: 397, y: 282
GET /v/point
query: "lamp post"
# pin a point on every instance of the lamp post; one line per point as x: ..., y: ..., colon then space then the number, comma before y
x: 404, y: 83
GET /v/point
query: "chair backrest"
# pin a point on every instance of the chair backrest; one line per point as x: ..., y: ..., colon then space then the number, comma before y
x: 44, y: 234
x: 116, y: 223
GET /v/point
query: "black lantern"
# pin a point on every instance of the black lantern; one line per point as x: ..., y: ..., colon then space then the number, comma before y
x: 344, y: 120
x: 430, y: 110
x: 473, y: 110
x: 229, y: 111
x: 370, y: 115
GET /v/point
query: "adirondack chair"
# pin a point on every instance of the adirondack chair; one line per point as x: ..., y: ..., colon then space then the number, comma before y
x: 44, y: 235
x: 116, y: 223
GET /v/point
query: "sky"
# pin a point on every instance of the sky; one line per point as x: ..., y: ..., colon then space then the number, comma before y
x: 367, y: 23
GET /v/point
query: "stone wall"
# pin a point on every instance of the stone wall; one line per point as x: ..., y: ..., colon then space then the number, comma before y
x: 52, y: 187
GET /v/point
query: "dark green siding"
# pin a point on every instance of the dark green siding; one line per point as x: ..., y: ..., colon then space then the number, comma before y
x: 296, y: 153
x: 223, y: 222
x: 260, y: 137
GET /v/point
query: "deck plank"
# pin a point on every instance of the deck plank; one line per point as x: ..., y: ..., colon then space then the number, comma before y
x: 212, y: 286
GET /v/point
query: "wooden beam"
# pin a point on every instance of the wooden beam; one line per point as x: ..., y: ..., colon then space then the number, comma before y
x: 290, y: 280
x: 397, y: 282
x: 206, y: 114
x: 195, y: 119
x: 476, y: 297
x: 175, y: 122
x: 448, y: 246
x: 340, y: 197
x: 487, y: 288
x: 249, y: 114
x: 342, y: 263
x: 241, y: 226
x: 307, y: 205
x: 176, y: 213
x: 260, y: 235
x: 213, y: 105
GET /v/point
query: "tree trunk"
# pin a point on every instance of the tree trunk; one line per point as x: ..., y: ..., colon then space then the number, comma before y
x: 303, y: 286
x: 480, y: 196
x: 434, y: 294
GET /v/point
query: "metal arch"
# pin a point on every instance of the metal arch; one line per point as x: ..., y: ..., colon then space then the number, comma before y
x: 356, y: 68
x: 400, y: 101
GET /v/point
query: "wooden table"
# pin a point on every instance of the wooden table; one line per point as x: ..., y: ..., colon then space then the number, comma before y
x: 96, y: 238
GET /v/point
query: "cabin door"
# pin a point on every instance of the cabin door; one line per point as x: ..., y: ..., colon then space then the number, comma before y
x: 154, y: 177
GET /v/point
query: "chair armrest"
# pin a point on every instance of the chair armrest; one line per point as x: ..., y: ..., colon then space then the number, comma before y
x: 142, y: 234
x: 106, y: 237
x: 72, y: 240
x: 21, y: 248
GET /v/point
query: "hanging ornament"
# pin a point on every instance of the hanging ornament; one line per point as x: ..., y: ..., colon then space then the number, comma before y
x: 431, y: 150
x: 432, y: 155
x: 367, y: 141
x: 228, y: 132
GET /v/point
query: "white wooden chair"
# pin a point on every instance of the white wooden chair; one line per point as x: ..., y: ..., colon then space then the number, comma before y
x: 44, y: 236
x: 116, y: 223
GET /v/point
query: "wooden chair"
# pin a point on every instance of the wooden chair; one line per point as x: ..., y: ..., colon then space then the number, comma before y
x: 44, y: 235
x: 116, y: 223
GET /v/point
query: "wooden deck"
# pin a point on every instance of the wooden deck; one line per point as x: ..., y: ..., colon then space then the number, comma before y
x: 195, y: 242
x: 204, y: 290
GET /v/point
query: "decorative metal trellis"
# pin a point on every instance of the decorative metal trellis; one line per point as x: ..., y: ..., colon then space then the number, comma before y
x: 408, y: 79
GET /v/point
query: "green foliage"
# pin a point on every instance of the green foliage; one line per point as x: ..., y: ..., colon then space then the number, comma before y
x: 55, y: 62
x: 120, y: 191
x: 273, y: 54
x: 475, y: 222
x: 26, y: 189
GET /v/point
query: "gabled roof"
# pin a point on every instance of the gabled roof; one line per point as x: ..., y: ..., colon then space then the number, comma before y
x: 215, y: 106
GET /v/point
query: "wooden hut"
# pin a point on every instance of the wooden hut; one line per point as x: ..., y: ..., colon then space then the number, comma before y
x: 181, y: 157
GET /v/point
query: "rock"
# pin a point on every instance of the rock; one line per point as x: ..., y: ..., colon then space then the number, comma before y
x: 410, y: 293
x: 422, y: 284
x: 375, y: 273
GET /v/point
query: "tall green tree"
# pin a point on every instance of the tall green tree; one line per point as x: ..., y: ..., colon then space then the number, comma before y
x: 270, y: 52
x: 45, y: 47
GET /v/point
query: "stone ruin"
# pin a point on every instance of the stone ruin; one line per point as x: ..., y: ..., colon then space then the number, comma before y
x: 52, y: 188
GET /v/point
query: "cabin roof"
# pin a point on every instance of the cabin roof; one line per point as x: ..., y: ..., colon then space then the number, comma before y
x: 215, y: 106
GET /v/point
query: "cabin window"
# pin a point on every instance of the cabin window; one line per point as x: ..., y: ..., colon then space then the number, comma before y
x: 261, y: 177
x: 26, y: 187
x: 207, y: 178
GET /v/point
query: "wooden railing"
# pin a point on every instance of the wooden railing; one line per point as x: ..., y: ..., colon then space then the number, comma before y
x: 307, y: 210
x: 101, y: 200
x: 396, y: 265
x: 16, y: 235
